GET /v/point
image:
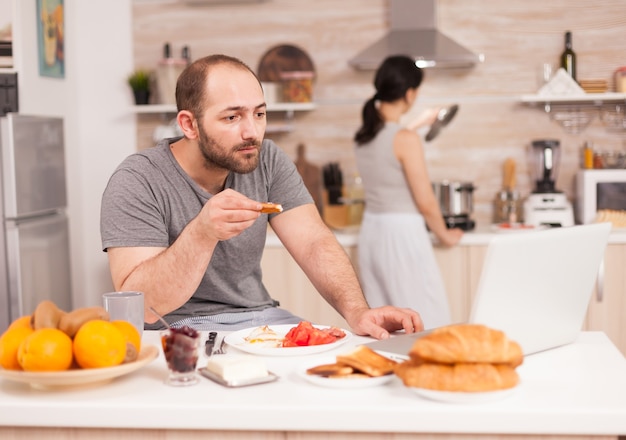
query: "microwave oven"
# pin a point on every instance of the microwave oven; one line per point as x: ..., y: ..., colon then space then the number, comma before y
x: 598, y: 190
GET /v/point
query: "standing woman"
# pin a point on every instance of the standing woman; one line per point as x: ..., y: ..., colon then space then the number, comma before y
x: 396, y: 257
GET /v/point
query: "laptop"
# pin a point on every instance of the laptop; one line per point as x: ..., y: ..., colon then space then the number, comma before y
x: 535, y: 286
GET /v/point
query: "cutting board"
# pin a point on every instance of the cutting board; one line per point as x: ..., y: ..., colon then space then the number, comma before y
x: 283, y: 58
x: 508, y: 180
x: 311, y: 175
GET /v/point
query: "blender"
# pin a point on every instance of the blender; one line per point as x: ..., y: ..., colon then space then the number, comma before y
x: 547, y: 206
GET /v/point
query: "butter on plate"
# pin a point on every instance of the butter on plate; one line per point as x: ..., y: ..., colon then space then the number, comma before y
x: 236, y: 371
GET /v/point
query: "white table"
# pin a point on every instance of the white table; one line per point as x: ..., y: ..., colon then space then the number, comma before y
x: 575, y: 390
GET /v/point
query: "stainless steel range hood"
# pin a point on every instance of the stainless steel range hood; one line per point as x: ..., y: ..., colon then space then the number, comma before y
x: 413, y: 33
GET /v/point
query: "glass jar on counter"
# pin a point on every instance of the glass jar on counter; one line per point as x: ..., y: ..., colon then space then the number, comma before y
x: 297, y: 86
x: 620, y: 79
x: 508, y: 207
x: 588, y: 153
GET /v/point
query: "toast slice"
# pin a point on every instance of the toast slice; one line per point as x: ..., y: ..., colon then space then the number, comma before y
x: 269, y: 208
x: 331, y: 370
x: 366, y: 360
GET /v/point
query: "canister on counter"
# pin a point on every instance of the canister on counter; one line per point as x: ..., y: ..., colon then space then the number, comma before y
x: 588, y: 155
x: 168, y: 71
x: 620, y: 79
x: 297, y: 86
x: 508, y: 207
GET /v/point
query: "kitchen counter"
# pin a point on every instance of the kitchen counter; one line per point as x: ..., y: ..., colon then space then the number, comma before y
x: 481, y: 235
x: 575, y: 390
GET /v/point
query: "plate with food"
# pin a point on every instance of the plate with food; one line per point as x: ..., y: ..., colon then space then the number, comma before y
x: 464, y: 397
x: 462, y: 363
x: 80, y: 377
x: 288, y: 339
x: 516, y: 227
x: 361, y: 367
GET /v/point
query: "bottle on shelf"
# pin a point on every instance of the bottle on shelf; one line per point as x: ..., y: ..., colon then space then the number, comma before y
x: 168, y: 70
x: 588, y: 155
x: 186, y: 55
x: 568, y: 57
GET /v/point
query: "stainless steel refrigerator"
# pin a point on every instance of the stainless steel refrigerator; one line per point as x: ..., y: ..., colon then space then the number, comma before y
x: 34, y: 238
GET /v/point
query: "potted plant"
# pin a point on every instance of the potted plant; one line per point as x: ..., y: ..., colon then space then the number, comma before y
x: 139, y: 82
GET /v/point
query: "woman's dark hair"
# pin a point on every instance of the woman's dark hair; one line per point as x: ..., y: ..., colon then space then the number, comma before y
x: 394, y: 77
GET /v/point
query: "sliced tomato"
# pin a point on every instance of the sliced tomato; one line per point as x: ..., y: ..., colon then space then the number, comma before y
x: 319, y: 337
x: 289, y: 343
x: 336, y: 332
x: 299, y: 335
x: 305, y: 334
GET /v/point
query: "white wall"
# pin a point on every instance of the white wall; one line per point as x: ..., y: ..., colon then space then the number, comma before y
x: 95, y: 101
x: 6, y: 14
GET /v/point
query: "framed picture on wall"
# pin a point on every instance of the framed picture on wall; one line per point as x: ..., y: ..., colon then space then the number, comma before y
x: 50, y: 38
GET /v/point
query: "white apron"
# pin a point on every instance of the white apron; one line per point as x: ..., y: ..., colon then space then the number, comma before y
x: 397, y: 266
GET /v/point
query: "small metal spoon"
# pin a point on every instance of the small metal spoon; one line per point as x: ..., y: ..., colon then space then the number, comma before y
x: 160, y: 318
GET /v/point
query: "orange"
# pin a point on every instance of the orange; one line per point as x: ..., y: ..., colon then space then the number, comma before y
x: 133, y: 339
x: 10, y: 343
x: 130, y: 333
x: 23, y: 321
x: 46, y: 349
x: 98, y: 344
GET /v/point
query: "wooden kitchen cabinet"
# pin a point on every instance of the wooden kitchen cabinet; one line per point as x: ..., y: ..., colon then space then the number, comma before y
x: 461, y: 268
x: 607, y: 307
x: 453, y: 267
x: 287, y: 283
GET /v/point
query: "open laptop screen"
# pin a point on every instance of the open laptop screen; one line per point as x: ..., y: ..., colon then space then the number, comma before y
x: 534, y: 285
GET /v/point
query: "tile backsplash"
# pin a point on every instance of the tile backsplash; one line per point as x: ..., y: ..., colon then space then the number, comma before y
x: 516, y: 37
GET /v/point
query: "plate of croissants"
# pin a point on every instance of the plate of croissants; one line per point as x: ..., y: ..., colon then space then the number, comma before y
x: 462, y: 363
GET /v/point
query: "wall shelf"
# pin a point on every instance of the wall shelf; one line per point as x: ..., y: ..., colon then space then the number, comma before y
x: 591, y: 99
x: 575, y: 113
x: 288, y: 107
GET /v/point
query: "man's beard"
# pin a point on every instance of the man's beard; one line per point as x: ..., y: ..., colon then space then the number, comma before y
x: 214, y: 157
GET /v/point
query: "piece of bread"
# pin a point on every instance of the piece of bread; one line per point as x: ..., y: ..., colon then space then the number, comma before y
x: 270, y: 208
x: 465, y: 343
x: 476, y: 377
x: 331, y: 370
x: 350, y: 376
x: 366, y: 360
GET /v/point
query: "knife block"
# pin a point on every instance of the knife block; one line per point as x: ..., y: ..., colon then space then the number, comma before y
x: 335, y: 216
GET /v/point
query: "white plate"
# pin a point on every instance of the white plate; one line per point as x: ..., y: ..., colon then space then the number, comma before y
x: 271, y: 377
x: 237, y: 340
x: 515, y: 227
x: 80, y: 377
x: 461, y: 397
x: 361, y: 382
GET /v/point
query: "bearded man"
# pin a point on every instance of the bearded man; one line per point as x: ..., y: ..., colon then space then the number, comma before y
x: 182, y: 221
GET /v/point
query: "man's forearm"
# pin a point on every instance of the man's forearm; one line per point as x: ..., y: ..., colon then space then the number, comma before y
x: 329, y: 268
x: 171, y: 277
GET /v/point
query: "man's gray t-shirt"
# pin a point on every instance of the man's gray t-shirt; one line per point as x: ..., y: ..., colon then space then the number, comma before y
x: 150, y: 199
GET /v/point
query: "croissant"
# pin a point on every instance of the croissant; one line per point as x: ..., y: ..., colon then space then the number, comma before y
x: 478, y: 377
x: 466, y: 343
